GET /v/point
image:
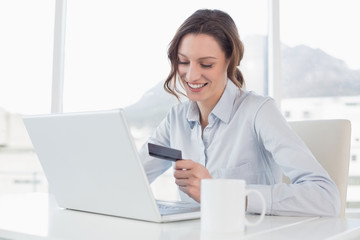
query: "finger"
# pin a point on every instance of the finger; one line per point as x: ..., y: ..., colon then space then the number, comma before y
x: 191, y: 192
x: 181, y: 173
x: 188, y: 182
x: 181, y: 182
x: 183, y: 189
x: 184, y: 164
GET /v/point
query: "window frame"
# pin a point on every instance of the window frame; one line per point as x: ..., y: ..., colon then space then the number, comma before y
x: 272, y: 66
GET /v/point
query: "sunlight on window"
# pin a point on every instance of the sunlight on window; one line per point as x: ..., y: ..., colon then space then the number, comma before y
x: 321, y: 63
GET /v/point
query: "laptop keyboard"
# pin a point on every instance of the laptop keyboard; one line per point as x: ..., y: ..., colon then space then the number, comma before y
x: 167, y: 208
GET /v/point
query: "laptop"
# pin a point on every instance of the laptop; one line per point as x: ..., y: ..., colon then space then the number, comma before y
x: 92, y: 164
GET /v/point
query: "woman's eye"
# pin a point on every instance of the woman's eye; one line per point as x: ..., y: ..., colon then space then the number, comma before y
x: 183, y: 62
x: 206, y: 65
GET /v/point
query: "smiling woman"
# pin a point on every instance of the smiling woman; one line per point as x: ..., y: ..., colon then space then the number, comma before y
x: 204, y: 54
x: 203, y: 73
x: 226, y: 131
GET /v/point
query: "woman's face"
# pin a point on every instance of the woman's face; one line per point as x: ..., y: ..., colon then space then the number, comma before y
x: 202, y: 68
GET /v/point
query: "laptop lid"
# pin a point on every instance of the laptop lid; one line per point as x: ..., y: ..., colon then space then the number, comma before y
x: 92, y: 164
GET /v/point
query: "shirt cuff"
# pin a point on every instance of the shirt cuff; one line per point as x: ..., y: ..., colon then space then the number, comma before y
x: 254, y: 203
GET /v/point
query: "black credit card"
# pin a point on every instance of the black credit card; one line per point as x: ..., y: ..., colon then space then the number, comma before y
x: 165, y: 153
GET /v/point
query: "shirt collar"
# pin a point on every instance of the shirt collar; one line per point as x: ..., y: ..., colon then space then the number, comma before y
x: 222, y: 109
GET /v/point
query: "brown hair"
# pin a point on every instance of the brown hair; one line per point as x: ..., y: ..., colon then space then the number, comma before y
x: 217, y: 24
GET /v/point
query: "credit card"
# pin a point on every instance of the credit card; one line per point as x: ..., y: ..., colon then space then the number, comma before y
x: 165, y: 153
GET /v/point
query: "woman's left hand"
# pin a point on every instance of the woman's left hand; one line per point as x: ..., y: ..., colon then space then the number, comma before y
x: 188, y: 175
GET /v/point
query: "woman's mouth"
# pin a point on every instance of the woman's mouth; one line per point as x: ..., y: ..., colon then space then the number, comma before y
x: 197, y: 86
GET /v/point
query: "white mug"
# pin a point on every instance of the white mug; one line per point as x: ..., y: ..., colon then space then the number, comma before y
x: 223, y: 205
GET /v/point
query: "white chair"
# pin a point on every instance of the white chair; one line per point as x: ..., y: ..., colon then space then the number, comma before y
x: 329, y: 141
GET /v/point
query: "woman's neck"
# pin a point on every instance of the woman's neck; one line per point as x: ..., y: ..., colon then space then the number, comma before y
x: 205, y: 108
x: 204, y: 114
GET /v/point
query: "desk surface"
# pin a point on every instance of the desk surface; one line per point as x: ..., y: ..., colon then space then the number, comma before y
x: 37, y: 216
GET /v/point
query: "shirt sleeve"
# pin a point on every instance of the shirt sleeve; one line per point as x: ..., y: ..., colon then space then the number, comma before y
x: 154, y: 167
x: 311, y: 190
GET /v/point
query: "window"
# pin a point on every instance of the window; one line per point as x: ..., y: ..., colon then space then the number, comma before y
x: 26, y: 46
x: 116, y: 54
x: 320, y: 66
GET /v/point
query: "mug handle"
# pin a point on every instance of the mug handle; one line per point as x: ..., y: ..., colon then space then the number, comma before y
x: 247, y: 223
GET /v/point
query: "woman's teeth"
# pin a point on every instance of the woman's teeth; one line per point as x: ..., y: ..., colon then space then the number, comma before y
x: 196, y: 86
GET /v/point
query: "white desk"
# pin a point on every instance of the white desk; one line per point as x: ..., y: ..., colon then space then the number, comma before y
x: 37, y: 216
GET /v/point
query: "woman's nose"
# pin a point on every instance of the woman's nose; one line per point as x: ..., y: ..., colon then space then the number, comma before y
x: 193, y: 73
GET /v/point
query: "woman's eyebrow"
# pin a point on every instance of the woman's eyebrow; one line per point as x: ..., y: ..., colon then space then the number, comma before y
x: 202, y: 58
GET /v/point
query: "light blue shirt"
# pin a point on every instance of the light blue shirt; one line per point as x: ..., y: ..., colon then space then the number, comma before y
x: 248, y: 138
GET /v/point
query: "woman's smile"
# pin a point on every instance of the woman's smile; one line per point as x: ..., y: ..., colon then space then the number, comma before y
x: 196, y: 87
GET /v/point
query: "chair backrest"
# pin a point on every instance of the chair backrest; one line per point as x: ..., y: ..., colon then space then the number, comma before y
x: 329, y: 141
